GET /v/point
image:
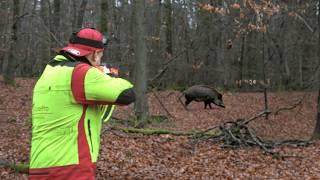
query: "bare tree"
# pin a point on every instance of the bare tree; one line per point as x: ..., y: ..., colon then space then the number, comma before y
x: 9, y: 71
x: 316, y: 132
x: 141, y: 105
x: 168, y: 23
x: 4, y: 31
x: 81, y: 13
x: 56, y: 18
x: 104, y: 16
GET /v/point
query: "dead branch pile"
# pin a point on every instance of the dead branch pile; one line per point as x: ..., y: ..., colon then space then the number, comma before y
x: 234, y: 134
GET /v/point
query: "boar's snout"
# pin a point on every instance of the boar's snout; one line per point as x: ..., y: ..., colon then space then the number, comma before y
x: 219, y: 103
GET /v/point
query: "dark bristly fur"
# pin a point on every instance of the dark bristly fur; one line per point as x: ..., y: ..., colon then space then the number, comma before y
x: 203, y: 93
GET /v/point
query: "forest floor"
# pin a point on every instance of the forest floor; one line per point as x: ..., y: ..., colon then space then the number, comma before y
x: 136, y: 156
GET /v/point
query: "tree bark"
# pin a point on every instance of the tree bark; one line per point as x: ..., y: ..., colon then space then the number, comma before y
x: 81, y: 13
x: 3, y: 39
x: 264, y: 76
x: 104, y: 16
x: 316, y: 132
x: 243, y: 38
x: 56, y: 19
x: 168, y: 22
x: 141, y: 105
x: 9, y: 71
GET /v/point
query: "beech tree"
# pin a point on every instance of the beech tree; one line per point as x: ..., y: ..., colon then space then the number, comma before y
x: 9, y: 71
x: 141, y: 104
x: 316, y: 132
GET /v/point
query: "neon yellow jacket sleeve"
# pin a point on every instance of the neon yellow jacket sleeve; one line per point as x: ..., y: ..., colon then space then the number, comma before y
x: 103, y: 89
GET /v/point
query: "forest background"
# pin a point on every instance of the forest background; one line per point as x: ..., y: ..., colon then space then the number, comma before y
x: 263, y: 55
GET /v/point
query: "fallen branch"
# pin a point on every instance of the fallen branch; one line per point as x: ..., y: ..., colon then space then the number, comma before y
x: 294, y: 142
x: 151, y: 131
x: 289, y: 108
x: 20, y: 168
x: 116, y: 133
x: 210, y: 129
x: 257, y: 116
x: 235, y: 134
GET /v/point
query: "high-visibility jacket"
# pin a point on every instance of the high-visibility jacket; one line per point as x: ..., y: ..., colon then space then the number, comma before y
x: 70, y: 100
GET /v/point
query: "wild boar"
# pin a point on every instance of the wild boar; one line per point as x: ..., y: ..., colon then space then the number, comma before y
x: 203, y: 93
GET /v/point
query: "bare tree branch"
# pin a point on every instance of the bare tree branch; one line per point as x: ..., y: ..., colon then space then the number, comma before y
x: 257, y: 116
x: 304, y: 21
x: 162, y: 105
x: 289, y: 108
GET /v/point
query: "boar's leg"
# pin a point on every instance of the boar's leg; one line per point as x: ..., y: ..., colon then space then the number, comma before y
x: 188, y: 100
x: 207, y: 102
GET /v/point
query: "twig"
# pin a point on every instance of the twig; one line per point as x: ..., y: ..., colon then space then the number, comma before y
x: 304, y: 21
x: 289, y: 108
x: 157, y: 76
x: 179, y: 99
x: 176, y: 56
x: 233, y: 136
x: 52, y: 35
x: 162, y: 105
x: 165, y: 68
x: 125, y: 136
x: 21, y: 168
x: 259, y: 142
x: 152, y: 131
x: 257, y: 116
x: 209, y: 129
x: 295, y: 142
x: 17, y: 19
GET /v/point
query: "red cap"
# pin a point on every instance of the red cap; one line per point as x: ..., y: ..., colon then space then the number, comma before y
x: 84, y: 42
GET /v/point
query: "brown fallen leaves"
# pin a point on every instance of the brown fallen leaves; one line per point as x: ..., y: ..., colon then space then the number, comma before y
x: 131, y: 156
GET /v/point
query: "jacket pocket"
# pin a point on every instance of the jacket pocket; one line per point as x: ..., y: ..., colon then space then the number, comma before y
x: 89, y: 132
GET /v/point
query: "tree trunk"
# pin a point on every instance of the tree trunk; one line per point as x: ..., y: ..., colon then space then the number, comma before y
x: 104, y: 16
x: 168, y: 22
x: 243, y: 38
x: 81, y: 13
x: 56, y: 20
x: 9, y: 71
x: 3, y: 39
x: 316, y: 132
x: 264, y: 76
x: 141, y: 105
x: 46, y: 42
x: 300, y: 70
